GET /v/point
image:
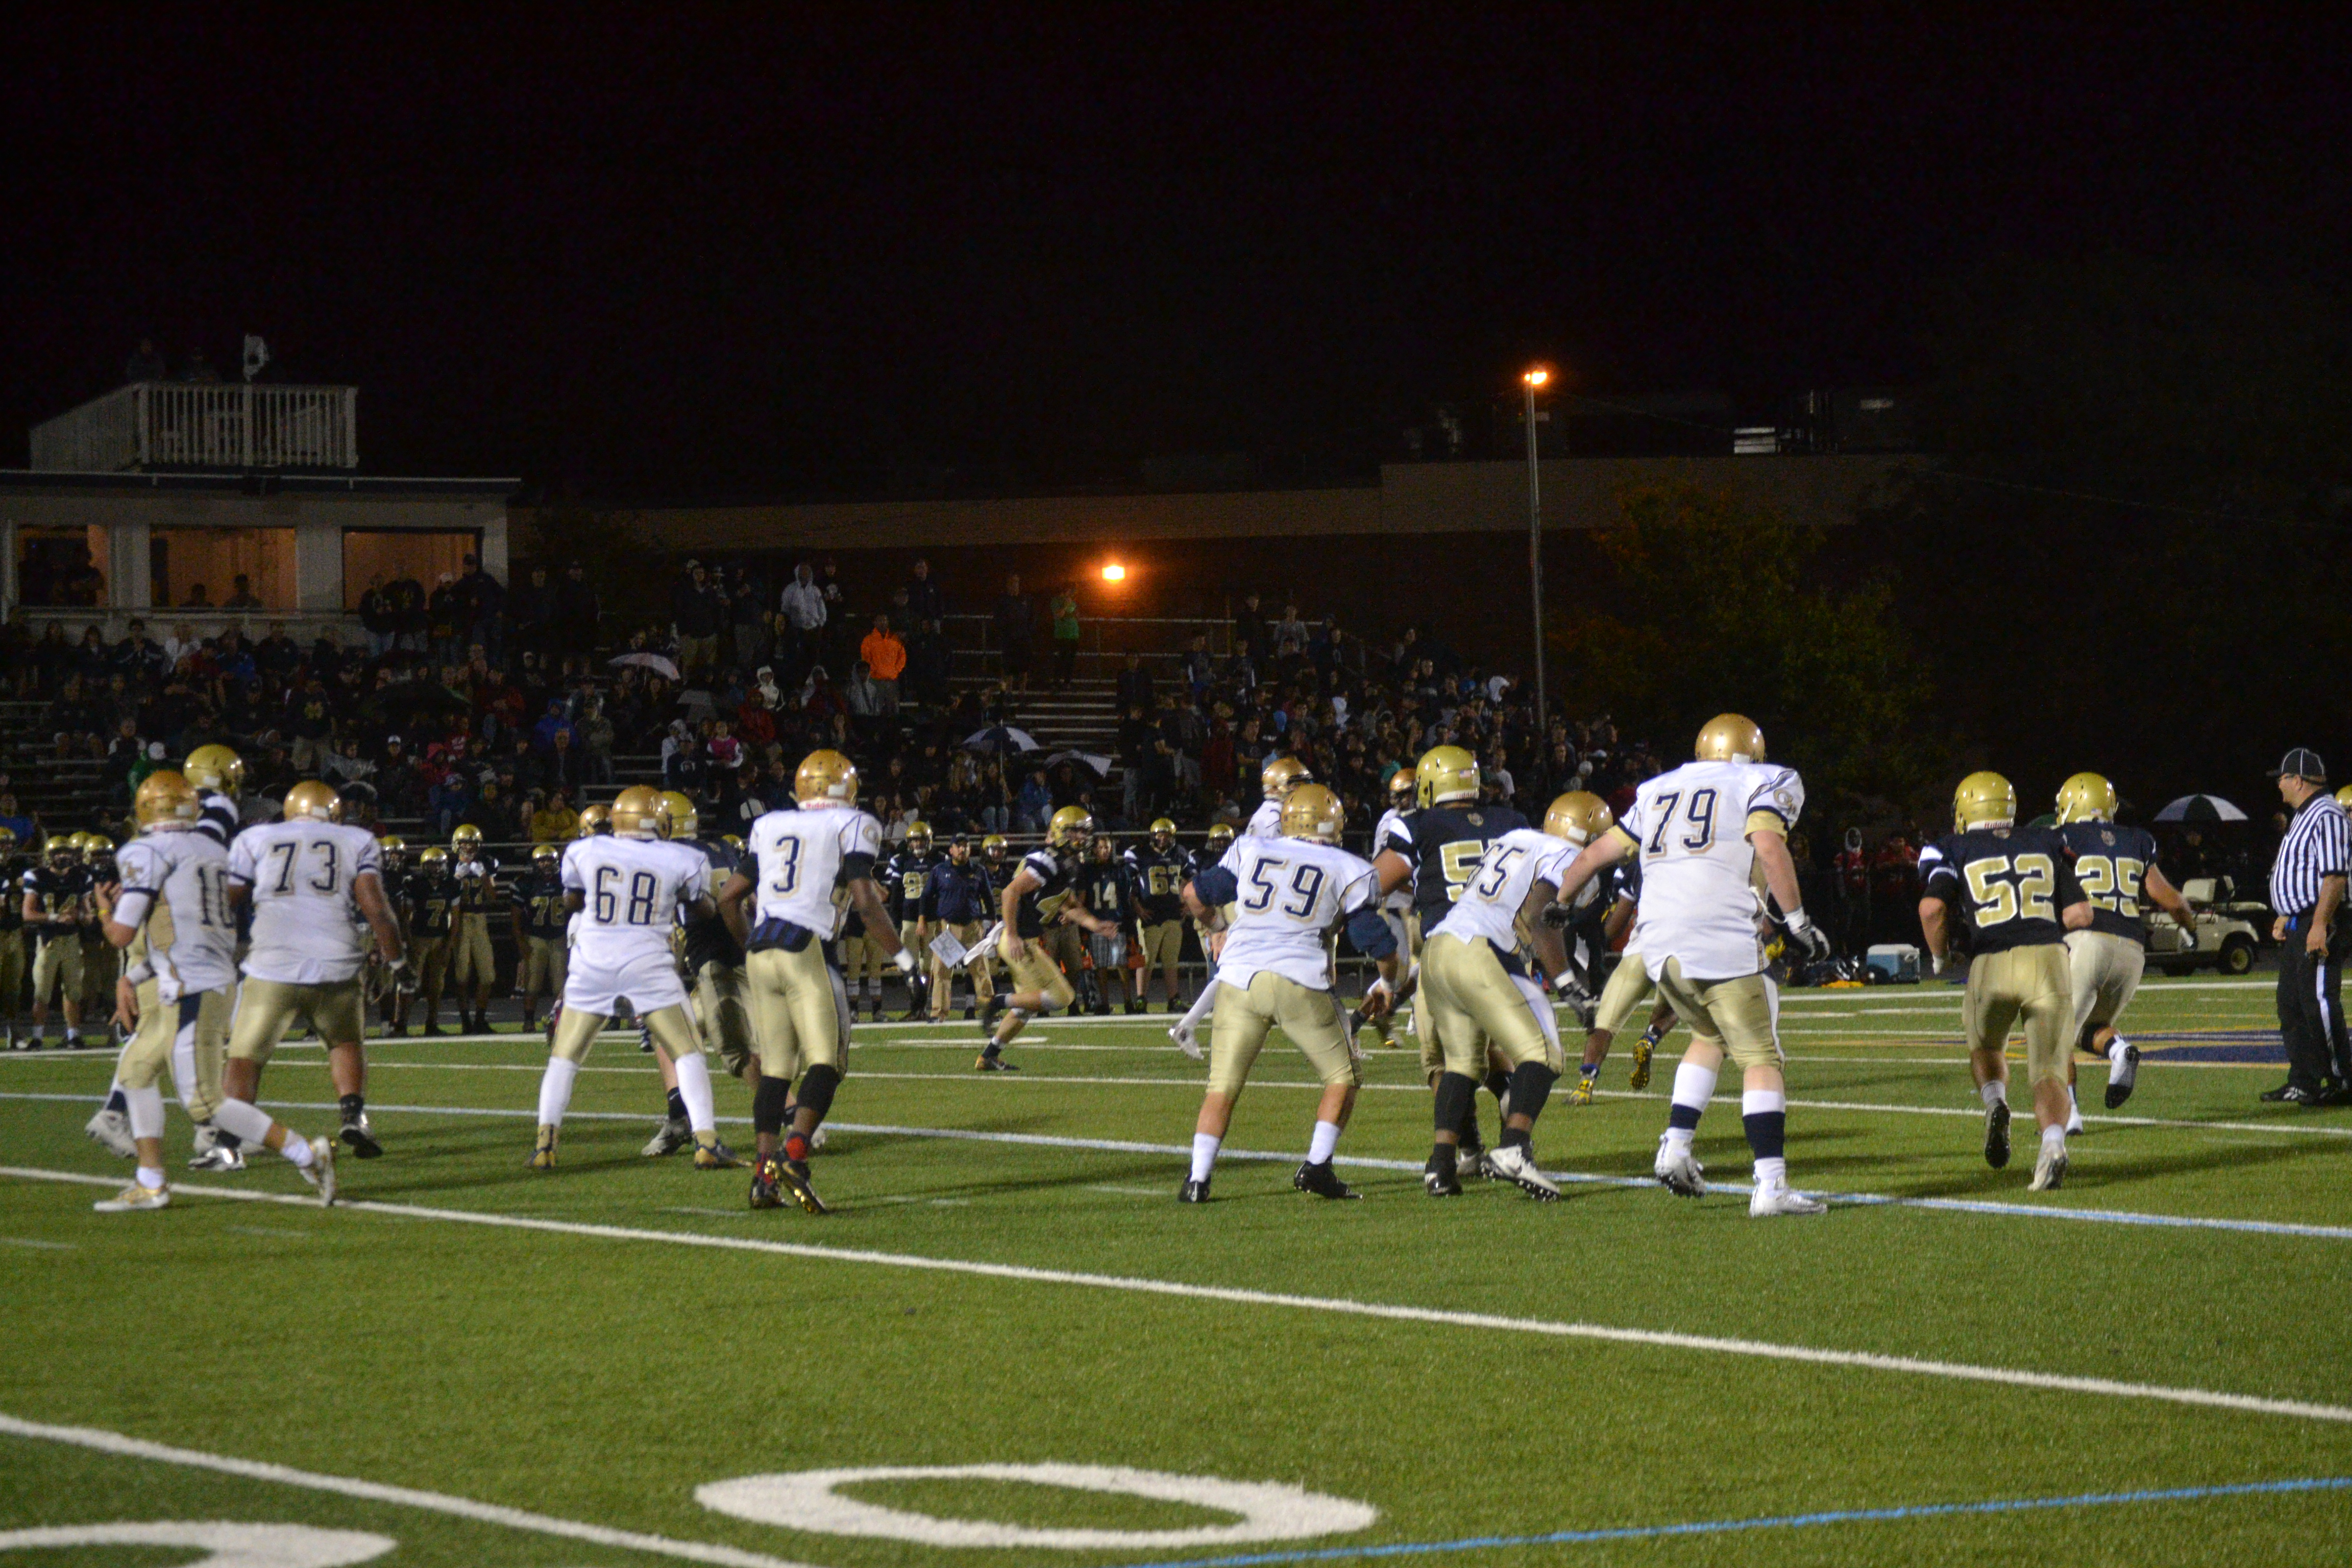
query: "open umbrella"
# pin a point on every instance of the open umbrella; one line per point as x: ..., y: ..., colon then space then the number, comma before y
x: 2201, y: 808
x: 999, y: 738
x: 1095, y: 760
x: 653, y: 661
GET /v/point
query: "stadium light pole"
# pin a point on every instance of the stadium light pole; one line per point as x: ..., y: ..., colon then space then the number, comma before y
x: 1533, y: 378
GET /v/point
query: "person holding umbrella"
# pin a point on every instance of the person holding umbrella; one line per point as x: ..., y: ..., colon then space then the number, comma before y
x: 2308, y: 881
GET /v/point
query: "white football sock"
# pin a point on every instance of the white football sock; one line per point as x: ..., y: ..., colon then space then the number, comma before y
x: 2053, y: 1139
x: 1202, y: 1005
x: 1694, y: 1085
x: 2115, y: 1050
x: 1992, y: 1091
x: 298, y: 1149
x: 146, y: 1111
x: 250, y: 1124
x: 152, y: 1178
x: 694, y: 1087
x: 1772, y: 1173
x: 1205, y: 1156
x: 1325, y: 1139
x: 1761, y: 1102
x: 555, y: 1090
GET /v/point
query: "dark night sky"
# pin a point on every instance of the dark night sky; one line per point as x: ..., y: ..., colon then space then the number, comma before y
x: 730, y: 256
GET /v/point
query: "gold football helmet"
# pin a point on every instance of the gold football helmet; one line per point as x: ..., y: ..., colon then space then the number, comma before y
x: 166, y: 797
x: 1220, y: 839
x: 1730, y: 738
x: 1403, y: 789
x: 595, y: 819
x: 1070, y: 828
x: 685, y: 820
x: 391, y: 848
x: 1313, y: 812
x: 1579, y: 816
x: 215, y: 768
x: 1444, y: 774
x: 313, y: 800
x: 433, y: 860
x: 466, y: 841
x: 1163, y: 833
x: 733, y: 841
x: 1281, y: 776
x: 992, y: 846
x: 2086, y: 798
x: 545, y: 855
x: 61, y: 851
x: 918, y: 838
x: 2341, y: 794
x: 826, y: 776
x: 640, y: 812
x: 80, y: 842
x: 95, y: 846
x: 1983, y: 799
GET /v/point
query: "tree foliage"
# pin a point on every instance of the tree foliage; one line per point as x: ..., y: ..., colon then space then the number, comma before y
x: 1711, y: 605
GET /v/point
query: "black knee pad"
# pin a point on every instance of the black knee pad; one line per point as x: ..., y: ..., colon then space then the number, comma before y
x: 817, y: 1085
x: 1455, y: 1098
x: 1530, y: 1086
x: 767, y: 1105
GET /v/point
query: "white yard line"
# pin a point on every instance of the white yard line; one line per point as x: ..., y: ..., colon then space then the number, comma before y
x: 1341, y: 1306
x: 115, y: 1443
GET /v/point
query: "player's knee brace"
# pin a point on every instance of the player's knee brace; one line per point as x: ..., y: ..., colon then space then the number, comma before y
x: 1455, y: 1095
x: 768, y: 1104
x: 817, y: 1087
x: 1531, y: 1086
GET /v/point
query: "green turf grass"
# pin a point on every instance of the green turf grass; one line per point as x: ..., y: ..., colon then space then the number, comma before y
x: 601, y: 1379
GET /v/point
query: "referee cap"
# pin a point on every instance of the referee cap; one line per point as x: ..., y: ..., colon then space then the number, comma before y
x: 2301, y: 763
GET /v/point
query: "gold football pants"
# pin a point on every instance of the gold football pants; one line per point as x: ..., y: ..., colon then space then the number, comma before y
x: 58, y: 961
x: 1479, y: 1006
x: 672, y: 1030
x: 1034, y: 970
x: 12, y: 966
x: 1628, y: 987
x: 800, y: 1011
x: 2027, y: 986
x: 1245, y: 1018
x: 471, y: 961
x: 266, y: 1010
x: 2103, y: 971
x: 185, y: 1037
x: 428, y: 955
x: 722, y: 1008
x: 1735, y: 1014
x: 544, y: 960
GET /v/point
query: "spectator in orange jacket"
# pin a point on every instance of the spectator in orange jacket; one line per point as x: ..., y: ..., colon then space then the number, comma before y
x: 885, y: 660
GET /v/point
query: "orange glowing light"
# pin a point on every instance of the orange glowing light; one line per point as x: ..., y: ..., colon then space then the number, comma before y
x: 1536, y: 377
x: 1113, y: 573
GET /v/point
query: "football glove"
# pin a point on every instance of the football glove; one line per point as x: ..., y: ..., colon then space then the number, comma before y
x: 1557, y: 915
x: 1809, y: 940
x: 2188, y: 937
x: 904, y: 958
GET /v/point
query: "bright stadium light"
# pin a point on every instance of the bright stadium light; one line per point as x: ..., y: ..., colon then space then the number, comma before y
x: 1535, y: 376
x: 1113, y: 573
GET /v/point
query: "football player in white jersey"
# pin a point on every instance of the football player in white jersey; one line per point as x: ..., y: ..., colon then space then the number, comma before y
x: 316, y: 889
x: 1484, y: 1002
x: 1700, y: 830
x: 1277, y: 779
x: 802, y: 867
x: 628, y: 888
x: 171, y: 913
x: 1287, y: 894
x: 1396, y: 905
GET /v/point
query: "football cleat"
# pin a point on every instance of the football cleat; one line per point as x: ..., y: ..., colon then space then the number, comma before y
x: 1996, y: 1134
x: 320, y: 1172
x: 671, y: 1136
x: 1643, y: 1050
x: 1193, y: 1191
x: 1780, y: 1198
x: 1585, y: 1079
x: 986, y: 1063
x: 1470, y: 1159
x: 1581, y: 1003
x: 767, y: 1182
x: 1515, y: 1163
x: 2049, y: 1171
x: 990, y: 1011
x: 1441, y: 1182
x: 219, y: 1157
x: 360, y: 1138
x: 715, y: 1156
x: 1679, y: 1169
x: 111, y: 1130
x: 542, y: 1153
x: 135, y: 1199
x: 1322, y: 1181
x: 1185, y: 1040
x: 2122, y: 1073
x: 816, y: 1139
x: 795, y: 1174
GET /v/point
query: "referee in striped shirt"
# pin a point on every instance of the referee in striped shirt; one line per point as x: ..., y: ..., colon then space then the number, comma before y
x: 2307, y: 883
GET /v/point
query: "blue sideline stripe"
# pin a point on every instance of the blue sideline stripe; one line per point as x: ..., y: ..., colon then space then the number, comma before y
x: 1777, y: 1521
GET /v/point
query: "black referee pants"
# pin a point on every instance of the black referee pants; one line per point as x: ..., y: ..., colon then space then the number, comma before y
x: 2311, y: 1016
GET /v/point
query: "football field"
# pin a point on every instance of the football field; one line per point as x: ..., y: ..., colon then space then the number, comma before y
x: 1011, y: 1345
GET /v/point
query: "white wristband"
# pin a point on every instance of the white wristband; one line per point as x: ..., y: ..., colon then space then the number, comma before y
x: 905, y: 961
